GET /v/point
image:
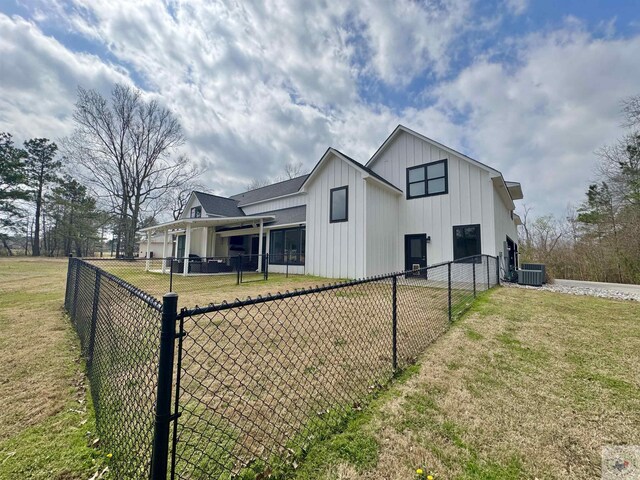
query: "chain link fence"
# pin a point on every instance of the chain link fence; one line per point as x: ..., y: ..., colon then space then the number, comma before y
x: 247, y: 387
x: 158, y: 276
x: 119, y: 330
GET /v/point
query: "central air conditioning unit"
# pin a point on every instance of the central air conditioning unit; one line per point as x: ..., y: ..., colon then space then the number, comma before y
x: 535, y: 266
x: 534, y: 278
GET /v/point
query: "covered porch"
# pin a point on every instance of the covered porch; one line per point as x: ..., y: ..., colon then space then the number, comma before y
x: 206, y: 245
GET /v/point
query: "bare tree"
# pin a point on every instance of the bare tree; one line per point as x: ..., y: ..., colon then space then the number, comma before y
x: 125, y: 147
x: 631, y: 111
x: 293, y: 169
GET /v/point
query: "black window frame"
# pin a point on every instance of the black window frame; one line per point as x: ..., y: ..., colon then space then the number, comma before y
x: 198, y: 209
x: 279, y: 258
x: 477, y: 258
x: 426, y: 179
x: 346, y: 204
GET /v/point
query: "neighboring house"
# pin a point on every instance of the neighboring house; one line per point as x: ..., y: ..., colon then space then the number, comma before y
x: 416, y: 202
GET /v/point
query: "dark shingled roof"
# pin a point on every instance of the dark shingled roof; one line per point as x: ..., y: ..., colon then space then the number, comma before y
x: 270, y: 191
x: 286, y: 216
x: 215, y: 205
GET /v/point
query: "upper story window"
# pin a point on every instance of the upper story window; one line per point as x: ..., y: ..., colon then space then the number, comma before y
x: 466, y: 242
x: 339, y: 204
x: 196, y: 212
x: 427, y: 180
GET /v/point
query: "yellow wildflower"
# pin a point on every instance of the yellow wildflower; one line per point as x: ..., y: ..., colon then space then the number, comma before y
x: 419, y: 471
x: 429, y: 477
x: 109, y: 455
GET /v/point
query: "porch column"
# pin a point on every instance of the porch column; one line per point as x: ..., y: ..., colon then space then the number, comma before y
x: 260, y: 245
x: 187, y: 251
x: 148, y: 262
x: 164, y: 250
x: 213, y: 242
x: 204, y: 240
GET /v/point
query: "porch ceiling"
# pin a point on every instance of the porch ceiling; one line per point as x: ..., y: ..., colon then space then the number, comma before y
x: 207, y: 222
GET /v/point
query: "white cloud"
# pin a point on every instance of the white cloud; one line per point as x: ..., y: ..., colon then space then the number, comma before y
x: 541, y: 122
x: 259, y: 84
x: 39, y: 80
x: 517, y: 7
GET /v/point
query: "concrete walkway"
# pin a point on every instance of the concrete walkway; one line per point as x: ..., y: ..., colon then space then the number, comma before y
x: 612, y: 287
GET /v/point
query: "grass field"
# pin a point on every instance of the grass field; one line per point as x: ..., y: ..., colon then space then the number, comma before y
x: 46, y: 416
x: 528, y: 385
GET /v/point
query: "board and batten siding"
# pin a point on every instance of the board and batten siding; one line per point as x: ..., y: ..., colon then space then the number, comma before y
x: 504, y: 223
x: 383, y: 254
x: 469, y: 200
x: 275, y: 204
x: 336, y: 250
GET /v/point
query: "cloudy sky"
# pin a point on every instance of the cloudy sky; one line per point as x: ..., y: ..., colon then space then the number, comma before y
x: 532, y: 88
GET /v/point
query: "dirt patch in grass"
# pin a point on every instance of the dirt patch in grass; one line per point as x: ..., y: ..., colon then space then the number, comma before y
x: 530, y: 385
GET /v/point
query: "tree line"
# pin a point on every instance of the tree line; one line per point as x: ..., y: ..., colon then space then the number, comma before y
x: 117, y: 172
x: 599, y: 239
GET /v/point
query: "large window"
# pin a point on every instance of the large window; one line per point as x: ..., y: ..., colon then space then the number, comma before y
x: 466, y: 242
x: 287, y: 246
x: 427, y: 180
x: 196, y: 212
x: 339, y: 205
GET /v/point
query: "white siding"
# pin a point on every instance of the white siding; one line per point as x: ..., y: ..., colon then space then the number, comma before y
x: 336, y: 250
x: 469, y: 201
x: 382, y: 230
x: 193, y: 202
x: 504, y: 224
x: 275, y: 204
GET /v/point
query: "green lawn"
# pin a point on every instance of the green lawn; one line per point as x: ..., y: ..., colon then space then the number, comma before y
x: 47, y: 418
x: 528, y: 384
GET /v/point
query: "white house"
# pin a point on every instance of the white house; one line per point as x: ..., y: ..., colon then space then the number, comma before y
x: 415, y: 202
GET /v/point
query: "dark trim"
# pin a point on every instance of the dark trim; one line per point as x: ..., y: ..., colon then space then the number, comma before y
x: 347, y: 159
x: 407, y: 251
x: 426, y: 179
x: 274, y: 257
x: 194, y: 210
x: 476, y: 257
x: 346, y: 206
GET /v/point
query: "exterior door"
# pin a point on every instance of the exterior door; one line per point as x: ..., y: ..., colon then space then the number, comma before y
x: 180, y: 246
x: 415, y: 252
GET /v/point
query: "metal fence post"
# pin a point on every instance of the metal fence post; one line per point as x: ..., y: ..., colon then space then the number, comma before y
x: 497, y: 271
x: 74, y: 307
x: 449, y: 283
x: 163, y: 417
x: 488, y: 276
x: 171, y: 274
x: 67, y: 290
x: 266, y: 266
x: 394, y: 323
x: 94, y: 320
x: 474, y: 277
x: 239, y: 269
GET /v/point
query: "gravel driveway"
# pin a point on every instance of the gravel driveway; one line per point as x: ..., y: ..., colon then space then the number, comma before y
x: 617, y: 291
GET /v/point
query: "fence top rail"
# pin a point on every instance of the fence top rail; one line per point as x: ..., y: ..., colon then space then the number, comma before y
x: 216, y: 307
x: 141, y: 294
